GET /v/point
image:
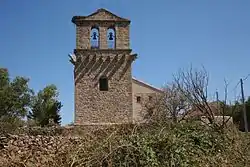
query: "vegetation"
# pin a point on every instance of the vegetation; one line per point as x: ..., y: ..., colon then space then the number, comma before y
x: 152, y: 145
x: 45, y: 107
x: 17, y: 101
x: 15, y: 98
x: 237, y: 115
x: 182, y: 144
x: 172, y: 138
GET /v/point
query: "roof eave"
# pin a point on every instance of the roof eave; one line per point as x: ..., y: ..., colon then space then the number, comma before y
x: 77, y: 19
x: 148, y: 85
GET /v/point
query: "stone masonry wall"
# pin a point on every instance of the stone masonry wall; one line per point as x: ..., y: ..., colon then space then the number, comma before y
x: 122, y: 36
x: 32, y: 151
x: 103, y: 37
x: 56, y: 146
x: 140, y: 110
x: 150, y: 98
x: 103, y: 20
x: 102, y: 107
x: 93, y: 106
x: 83, y: 37
x: 48, y: 146
x: 121, y: 30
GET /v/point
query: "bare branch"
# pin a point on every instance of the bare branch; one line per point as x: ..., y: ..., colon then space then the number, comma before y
x: 193, y: 84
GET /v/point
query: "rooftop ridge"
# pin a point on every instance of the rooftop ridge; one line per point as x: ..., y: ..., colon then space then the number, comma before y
x: 147, y: 84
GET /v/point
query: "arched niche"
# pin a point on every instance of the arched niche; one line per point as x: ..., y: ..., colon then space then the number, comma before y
x: 94, y: 37
x: 111, y: 38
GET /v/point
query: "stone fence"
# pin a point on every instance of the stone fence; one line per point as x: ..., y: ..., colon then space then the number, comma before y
x: 48, y: 147
x: 25, y: 150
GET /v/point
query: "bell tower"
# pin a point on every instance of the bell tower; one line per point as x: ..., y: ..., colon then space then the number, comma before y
x: 102, y: 69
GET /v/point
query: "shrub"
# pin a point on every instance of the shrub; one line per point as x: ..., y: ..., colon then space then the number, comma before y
x: 150, y: 145
x: 9, y: 125
x: 186, y: 144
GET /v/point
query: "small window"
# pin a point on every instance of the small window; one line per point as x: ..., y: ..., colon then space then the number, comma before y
x: 150, y: 98
x: 138, y: 99
x: 103, y: 84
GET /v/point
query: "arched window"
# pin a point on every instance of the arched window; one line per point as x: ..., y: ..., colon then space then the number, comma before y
x: 111, y: 37
x: 103, y: 84
x: 94, y: 37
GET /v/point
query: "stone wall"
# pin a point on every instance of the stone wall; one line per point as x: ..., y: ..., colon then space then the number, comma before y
x: 26, y: 150
x: 121, y: 30
x: 54, y: 146
x: 149, y: 98
x: 83, y: 37
x: 102, y: 20
x: 122, y: 36
x: 93, y: 106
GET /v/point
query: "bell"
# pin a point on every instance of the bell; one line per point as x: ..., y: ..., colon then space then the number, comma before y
x: 111, y: 36
x: 94, y: 36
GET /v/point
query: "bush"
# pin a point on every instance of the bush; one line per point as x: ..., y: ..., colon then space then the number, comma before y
x: 10, y: 125
x: 152, y: 145
x: 187, y: 144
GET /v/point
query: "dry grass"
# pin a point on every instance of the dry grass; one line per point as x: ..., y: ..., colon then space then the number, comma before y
x: 165, y: 145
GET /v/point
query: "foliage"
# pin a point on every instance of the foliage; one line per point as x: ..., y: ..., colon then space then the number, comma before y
x: 181, y: 144
x: 167, y: 143
x: 10, y: 125
x: 15, y: 99
x: 46, y: 107
x: 237, y: 114
x: 15, y: 96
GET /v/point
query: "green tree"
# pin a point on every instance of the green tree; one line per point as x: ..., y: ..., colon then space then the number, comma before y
x: 15, y: 96
x: 46, y: 107
x: 237, y: 113
x: 15, y: 100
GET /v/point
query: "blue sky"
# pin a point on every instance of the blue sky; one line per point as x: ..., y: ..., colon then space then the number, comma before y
x: 36, y: 37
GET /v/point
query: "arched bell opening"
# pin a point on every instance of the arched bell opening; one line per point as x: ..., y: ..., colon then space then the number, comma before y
x: 95, y: 37
x: 111, y: 38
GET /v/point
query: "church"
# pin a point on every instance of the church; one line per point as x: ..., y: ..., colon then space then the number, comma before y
x: 105, y: 92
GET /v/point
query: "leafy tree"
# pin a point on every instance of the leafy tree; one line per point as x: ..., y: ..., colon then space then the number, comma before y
x: 15, y: 96
x: 15, y: 99
x: 46, y: 107
x: 237, y: 114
